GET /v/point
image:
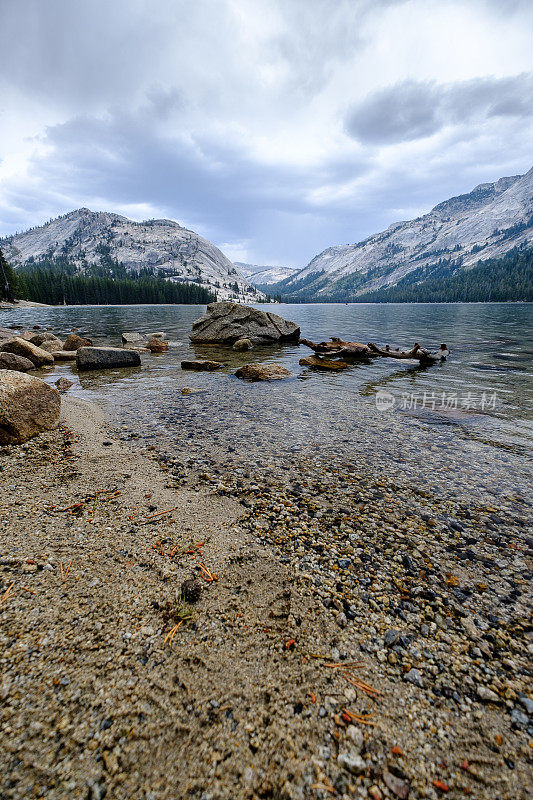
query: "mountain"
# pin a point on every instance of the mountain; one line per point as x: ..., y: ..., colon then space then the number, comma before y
x: 90, y: 240
x: 453, y: 237
x: 264, y: 276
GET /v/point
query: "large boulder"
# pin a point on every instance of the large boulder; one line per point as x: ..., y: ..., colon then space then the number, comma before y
x: 226, y: 323
x: 45, y: 336
x: 106, y: 358
x: 262, y: 372
x: 52, y: 345
x: 21, y: 347
x: 74, y: 342
x: 28, y: 406
x: 18, y: 363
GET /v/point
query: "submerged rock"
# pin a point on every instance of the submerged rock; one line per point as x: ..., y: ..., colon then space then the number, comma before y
x: 24, y: 348
x: 28, y: 406
x: 243, y: 344
x: 262, y: 372
x: 322, y: 363
x: 201, y: 365
x: 63, y: 384
x: 226, y: 323
x: 106, y: 358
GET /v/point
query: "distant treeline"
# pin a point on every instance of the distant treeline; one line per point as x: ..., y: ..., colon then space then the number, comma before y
x: 56, y: 281
x: 505, y: 279
x: 46, y: 286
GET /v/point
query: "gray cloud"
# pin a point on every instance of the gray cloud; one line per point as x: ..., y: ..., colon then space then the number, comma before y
x: 414, y: 109
x: 200, y: 180
x: 227, y: 115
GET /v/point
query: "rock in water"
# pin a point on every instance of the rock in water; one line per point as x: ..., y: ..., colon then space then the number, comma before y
x: 262, y: 372
x: 21, y: 347
x: 106, y: 358
x: 64, y: 355
x: 74, y: 342
x: 18, y: 363
x: 52, y: 345
x: 226, y: 323
x: 132, y: 337
x: 323, y: 364
x: 201, y: 365
x: 28, y: 406
x: 63, y: 384
x: 157, y: 345
x: 243, y: 344
x: 39, y: 338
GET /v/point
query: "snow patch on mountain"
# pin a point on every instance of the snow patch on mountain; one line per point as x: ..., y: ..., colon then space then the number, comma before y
x: 264, y: 275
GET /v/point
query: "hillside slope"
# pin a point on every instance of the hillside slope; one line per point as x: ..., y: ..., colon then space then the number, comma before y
x: 455, y: 235
x: 86, y: 238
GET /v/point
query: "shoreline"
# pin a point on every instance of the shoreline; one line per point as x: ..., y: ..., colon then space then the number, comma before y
x: 241, y: 702
x: 24, y: 304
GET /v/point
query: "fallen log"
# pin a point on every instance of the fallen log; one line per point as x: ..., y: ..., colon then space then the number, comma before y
x: 417, y: 353
x: 339, y: 348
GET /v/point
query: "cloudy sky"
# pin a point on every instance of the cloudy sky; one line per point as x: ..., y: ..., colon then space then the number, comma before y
x: 275, y: 128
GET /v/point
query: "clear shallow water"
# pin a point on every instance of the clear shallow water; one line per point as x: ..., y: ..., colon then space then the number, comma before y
x: 464, y: 426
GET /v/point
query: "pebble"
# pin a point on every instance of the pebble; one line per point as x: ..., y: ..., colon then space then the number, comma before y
x: 391, y: 637
x: 352, y: 761
x: 487, y: 695
x: 414, y: 677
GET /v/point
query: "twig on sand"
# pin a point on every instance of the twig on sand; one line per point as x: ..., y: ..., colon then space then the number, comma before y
x: 365, y: 687
x: 363, y: 719
x: 64, y: 572
x: 206, y: 574
x: 152, y: 517
x: 170, y: 635
x: 7, y: 594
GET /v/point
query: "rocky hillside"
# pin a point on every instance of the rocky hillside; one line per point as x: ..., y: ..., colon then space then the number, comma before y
x: 264, y: 276
x: 86, y: 238
x: 453, y: 237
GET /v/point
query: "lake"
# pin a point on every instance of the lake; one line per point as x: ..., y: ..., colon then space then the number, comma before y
x: 463, y: 427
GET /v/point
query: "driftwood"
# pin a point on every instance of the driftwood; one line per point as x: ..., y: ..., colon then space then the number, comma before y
x: 355, y: 350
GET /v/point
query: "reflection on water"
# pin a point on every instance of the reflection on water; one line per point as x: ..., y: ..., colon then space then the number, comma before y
x: 474, y: 445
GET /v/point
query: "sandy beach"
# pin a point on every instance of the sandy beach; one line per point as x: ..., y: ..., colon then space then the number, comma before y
x: 269, y: 685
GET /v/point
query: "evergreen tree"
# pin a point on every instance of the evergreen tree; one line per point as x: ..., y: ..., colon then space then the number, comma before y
x: 8, y: 279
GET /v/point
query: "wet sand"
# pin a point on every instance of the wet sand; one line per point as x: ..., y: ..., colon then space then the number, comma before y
x: 345, y: 643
